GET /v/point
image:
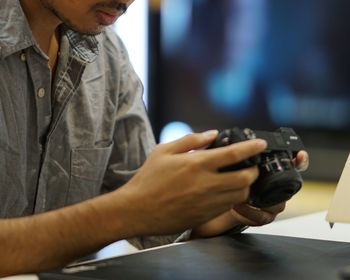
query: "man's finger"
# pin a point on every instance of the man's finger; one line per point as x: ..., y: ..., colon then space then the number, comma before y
x: 302, y: 161
x: 236, y: 180
x: 191, y: 142
x: 235, y: 153
x: 252, y: 216
x: 278, y: 208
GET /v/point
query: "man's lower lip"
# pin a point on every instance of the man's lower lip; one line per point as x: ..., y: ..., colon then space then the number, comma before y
x: 104, y: 18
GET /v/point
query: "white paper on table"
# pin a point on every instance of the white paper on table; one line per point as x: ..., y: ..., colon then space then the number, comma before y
x: 339, y: 210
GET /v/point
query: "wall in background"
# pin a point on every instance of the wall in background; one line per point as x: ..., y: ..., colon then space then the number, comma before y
x: 133, y: 29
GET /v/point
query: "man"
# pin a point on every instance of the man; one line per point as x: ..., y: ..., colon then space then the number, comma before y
x: 73, y: 127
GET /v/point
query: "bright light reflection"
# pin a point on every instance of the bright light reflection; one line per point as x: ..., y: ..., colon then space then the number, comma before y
x: 173, y: 131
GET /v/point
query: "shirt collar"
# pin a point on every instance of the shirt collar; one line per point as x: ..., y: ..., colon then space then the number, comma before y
x: 83, y: 46
x: 16, y: 35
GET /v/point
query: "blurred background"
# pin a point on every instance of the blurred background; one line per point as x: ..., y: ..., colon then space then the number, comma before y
x: 260, y: 64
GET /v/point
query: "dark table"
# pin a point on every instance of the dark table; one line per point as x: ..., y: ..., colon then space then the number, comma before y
x: 244, y: 256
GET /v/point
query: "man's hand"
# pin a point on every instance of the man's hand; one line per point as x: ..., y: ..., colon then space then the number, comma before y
x: 241, y: 214
x: 244, y: 214
x: 179, y: 185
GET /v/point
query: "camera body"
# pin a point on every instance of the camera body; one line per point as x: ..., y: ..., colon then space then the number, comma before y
x: 278, y: 179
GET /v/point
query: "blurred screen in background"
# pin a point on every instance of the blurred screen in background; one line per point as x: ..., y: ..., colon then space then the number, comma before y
x: 256, y: 63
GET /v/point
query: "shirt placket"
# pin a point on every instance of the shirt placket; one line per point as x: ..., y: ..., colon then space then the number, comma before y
x: 41, y: 80
x: 63, y: 91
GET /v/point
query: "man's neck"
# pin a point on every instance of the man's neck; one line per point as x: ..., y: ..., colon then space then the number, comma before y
x: 43, y: 24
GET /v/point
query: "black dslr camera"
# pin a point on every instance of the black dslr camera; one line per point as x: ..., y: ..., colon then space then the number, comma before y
x: 278, y: 180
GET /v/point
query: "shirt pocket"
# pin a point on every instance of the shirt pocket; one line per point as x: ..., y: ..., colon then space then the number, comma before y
x: 88, y: 166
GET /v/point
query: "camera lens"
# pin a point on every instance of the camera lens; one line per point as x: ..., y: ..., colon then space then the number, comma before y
x: 278, y: 181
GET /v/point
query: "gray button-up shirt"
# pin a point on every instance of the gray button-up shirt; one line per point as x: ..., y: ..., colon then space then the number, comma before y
x: 70, y: 137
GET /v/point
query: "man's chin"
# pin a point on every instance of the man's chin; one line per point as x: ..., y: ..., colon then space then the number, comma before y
x: 91, y: 32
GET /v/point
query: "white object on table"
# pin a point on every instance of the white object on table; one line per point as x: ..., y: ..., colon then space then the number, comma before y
x: 312, y: 226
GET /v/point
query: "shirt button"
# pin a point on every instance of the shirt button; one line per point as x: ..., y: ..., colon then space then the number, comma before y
x: 41, y: 92
x: 23, y: 57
